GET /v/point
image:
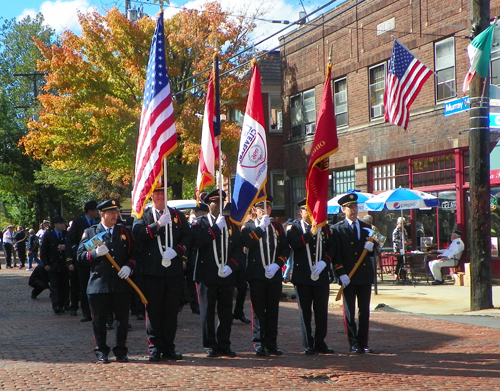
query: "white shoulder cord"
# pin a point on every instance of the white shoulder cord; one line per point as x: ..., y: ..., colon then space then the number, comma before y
x: 224, y: 244
x: 270, y: 259
x: 168, y: 237
x: 319, y: 249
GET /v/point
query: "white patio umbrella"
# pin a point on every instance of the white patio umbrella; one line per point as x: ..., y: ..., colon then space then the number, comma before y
x: 401, y: 199
x: 333, y: 206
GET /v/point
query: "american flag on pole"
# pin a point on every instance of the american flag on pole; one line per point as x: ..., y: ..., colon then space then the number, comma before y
x: 157, y: 136
x: 405, y: 78
x: 325, y: 143
x: 210, y: 135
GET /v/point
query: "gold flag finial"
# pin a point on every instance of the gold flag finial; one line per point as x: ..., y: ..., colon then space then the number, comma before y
x: 161, y: 3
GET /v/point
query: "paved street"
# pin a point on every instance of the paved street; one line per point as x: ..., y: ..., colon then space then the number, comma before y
x: 42, y: 351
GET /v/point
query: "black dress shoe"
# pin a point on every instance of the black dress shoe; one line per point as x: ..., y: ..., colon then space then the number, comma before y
x: 140, y: 317
x: 172, y: 356
x: 367, y: 349
x: 325, y: 350
x: 260, y: 351
x: 357, y: 349
x: 226, y: 352
x: 274, y: 351
x: 33, y: 296
x: 211, y: 352
x: 309, y: 351
x: 242, y: 318
x: 121, y: 359
x: 73, y: 313
x: 437, y: 282
x: 102, y: 358
x: 154, y: 357
x: 86, y: 319
x: 59, y: 312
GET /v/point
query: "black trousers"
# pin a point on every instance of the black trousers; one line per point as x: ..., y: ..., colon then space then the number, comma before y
x: 74, y: 289
x: 59, y: 289
x: 7, y: 249
x: 265, y: 297
x: 241, y: 292
x: 100, y: 305
x: 136, y: 306
x: 363, y: 293
x: 164, y: 296
x: 212, y: 298
x: 83, y: 280
x: 190, y: 294
x: 313, y: 297
x: 21, y: 252
x: 38, y: 287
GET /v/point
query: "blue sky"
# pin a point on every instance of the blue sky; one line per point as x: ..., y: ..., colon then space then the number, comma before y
x: 62, y: 14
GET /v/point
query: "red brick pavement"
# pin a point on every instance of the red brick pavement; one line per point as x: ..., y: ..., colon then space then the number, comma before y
x: 42, y: 351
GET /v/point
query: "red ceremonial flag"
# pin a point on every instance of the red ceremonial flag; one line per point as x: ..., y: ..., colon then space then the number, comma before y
x: 405, y: 78
x: 209, y: 150
x: 325, y: 144
x: 157, y: 136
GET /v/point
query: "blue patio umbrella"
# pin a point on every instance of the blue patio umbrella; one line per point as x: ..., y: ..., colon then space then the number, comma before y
x: 333, y: 206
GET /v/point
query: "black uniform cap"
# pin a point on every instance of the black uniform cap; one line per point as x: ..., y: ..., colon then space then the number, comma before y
x: 214, y: 196
x: 348, y: 199
x: 91, y: 205
x: 58, y: 219
x: 108, y: 205
x: 269, y: 199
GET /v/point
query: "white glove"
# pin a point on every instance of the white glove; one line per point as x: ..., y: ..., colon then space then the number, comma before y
x: 221, y: 223
x: 318, y: 268
x: 169, y: 253
x: 344, y: 280
x: 264, y: 222
x: 101, y: 250
x: 271, y: 270
x: 124, y: 272
x: 369, y: 246
x: 164, y: 220
x: 226, y: 271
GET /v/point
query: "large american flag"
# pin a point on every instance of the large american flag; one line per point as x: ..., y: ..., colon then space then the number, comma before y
x: 405, y: 78
x: 157, y: 136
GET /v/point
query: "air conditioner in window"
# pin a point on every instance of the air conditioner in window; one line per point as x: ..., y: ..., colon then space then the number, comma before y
x: 378, y: 111
x: 310, y: 128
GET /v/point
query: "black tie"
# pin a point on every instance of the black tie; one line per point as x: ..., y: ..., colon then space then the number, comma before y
x: 355, y: 229
x: 91, y: 222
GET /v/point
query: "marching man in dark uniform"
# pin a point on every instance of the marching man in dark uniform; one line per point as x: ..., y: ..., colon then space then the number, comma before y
x: 267, y: 253
x: 162, y: 261
x: 219, y: 252
x: 313, y: 255
x: 350, y: 241
x: 107, y: 289
x: 52, y: 255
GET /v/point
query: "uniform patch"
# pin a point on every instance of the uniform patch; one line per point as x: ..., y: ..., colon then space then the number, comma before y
x: 124, y: 237
x: 289, y: 227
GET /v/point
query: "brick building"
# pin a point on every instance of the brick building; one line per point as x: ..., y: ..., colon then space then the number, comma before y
x: 374, y: 156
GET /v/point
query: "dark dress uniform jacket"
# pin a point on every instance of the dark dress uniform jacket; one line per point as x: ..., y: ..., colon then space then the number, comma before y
x: 297, y: 240
x: 75, y: 233
x: 349, y: 249
x: 206, y: 269
x: 50, y: 255
x: 145, y: 232
x: 251, y: 236
x: 103, y: 276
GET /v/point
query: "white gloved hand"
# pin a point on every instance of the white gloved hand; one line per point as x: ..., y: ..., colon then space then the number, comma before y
x: 226, y: 271
x: 169, y: 253
x: 101, y: 250
x: 271, y: 270
x: 318, y: 268
x: 124, y: 272
x: 164, y: 220
x: 344, y: 280
x: 264, y: 222
x: 220, y: 222
x: 369, y: 246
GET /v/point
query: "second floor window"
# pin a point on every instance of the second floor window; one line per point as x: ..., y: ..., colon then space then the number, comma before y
x: 445, y: 69
x: 340, y: 95
x: 303, y: 113
x: 276, y: 122
x: 377, y: 89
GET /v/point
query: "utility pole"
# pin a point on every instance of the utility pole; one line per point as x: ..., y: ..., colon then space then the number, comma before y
x: 479, y: 144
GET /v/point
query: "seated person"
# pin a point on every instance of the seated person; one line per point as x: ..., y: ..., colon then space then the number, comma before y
x: 447, y: 258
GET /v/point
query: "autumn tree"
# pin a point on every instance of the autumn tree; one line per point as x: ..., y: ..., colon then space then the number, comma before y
x: 94, y: 86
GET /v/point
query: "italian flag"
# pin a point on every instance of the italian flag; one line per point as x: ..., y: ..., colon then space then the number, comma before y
x: 479, y: 51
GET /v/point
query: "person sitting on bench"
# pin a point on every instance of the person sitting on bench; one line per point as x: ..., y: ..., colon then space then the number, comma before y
x: 447, y: 258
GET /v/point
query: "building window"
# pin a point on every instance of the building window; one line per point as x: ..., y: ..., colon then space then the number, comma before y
x: 390, y: 176
x: 445, y: 69
x: 439, y: 170
x: 298, y: 190
x: 340, y: 96
x: 343, y: 181
x: 236, y: 116
x: 303, y: 113
x: 275, y: 119
x: 495, y: 60
x: 278, y: 189
x: 377, y: 89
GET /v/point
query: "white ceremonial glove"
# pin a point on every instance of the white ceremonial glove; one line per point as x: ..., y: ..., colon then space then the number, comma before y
x: 221, y: 223
x: 344, y: 280
x: 101, y: 250
x: 318, y: 268
x: 164, y: 219
x: 271, y: 270
x: 169, y: 253
x: 369, y: 246
x: 124, y: 272
x: 264, y: 222
x: 226, y: 271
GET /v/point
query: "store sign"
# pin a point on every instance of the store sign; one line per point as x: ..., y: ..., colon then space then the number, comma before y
x: 456, y: 106
x: 449, y: 205
x: 495, y: 120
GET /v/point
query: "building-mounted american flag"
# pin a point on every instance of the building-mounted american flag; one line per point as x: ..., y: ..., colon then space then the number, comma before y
x: 405, y: 78
x: 157, y: 136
